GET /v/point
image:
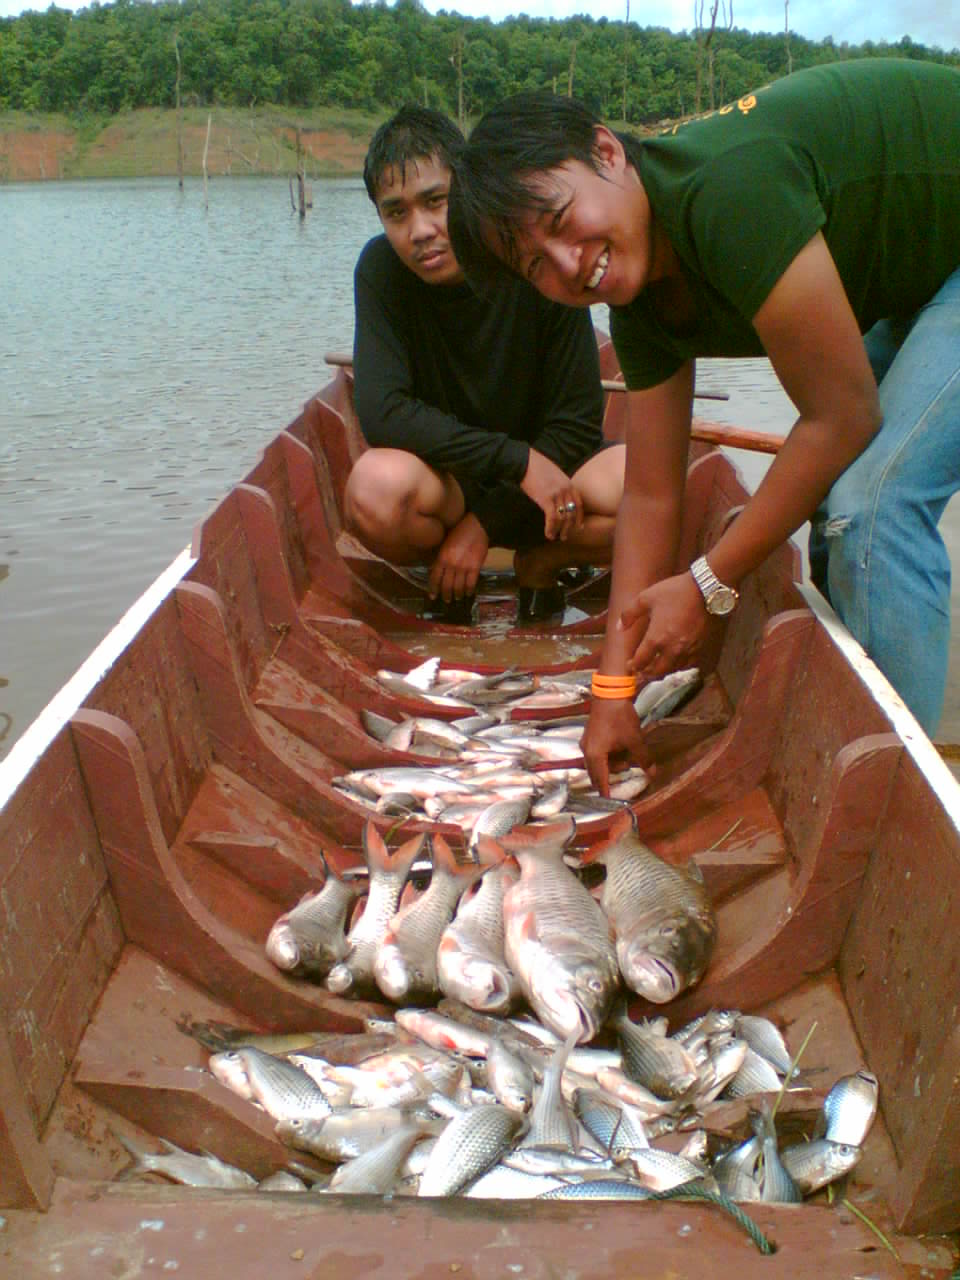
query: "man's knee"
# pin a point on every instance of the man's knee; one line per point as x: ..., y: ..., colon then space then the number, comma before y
x: 376, y: 497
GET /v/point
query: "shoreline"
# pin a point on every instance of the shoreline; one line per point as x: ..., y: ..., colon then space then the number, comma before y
x: 258, y: 141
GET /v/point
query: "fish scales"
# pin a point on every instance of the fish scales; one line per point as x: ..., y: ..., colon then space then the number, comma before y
x: 468, y: 1146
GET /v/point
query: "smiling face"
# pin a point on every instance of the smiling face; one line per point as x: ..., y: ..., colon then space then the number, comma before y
x: 597, y: 240
x: 413, y: 210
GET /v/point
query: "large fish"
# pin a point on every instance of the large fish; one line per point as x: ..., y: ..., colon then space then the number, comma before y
x: 662, y: 917
x: 405, y: 967
x: 387, y: 876
x: 309, y: 938
x: 471, y: 963
x: 556, y: 937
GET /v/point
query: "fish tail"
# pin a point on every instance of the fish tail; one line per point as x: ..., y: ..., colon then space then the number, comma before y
x: 623, y: 824
x: 445, y: 860
x: 531, y: 839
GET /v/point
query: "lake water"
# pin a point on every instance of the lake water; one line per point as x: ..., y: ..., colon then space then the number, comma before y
x: 149, y: 348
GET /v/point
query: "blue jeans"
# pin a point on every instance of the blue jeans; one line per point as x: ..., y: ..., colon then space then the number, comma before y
x: 875, y: 550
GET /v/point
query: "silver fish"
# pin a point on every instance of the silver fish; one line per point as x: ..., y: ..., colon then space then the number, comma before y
x: 282, y: 1089
x: 410, y: 779
x: 616, y: 1126
x: 736, y: 1171
x: 309, y: 938
x: 405, y: 967
x: 664, y: 924
x: 376, y: 1171
x: 344, y: 1134
x: 190, y: 1170
x: 471, y: 962
x: 510, y: 1078
x: 499, y: 819
x: 552, y: 1124
x: 387, y: 876
x: 662, y: 1170
x: 813, y: 1164
x: 655, y: 1061
x: 605, y: 1189
x: 850, y: 1107
x: 281, y: 1180
x: 468, y: 1146
x: 776, y: 1184
x: 659, y: 698
x: 556, y: 935
x: 763, y: 1037
x: 755, y: 1075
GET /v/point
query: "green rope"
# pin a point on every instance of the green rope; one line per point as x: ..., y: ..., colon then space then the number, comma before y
x: 696, y: 1191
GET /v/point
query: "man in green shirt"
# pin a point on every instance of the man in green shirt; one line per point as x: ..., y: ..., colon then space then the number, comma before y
x: 816, y: 221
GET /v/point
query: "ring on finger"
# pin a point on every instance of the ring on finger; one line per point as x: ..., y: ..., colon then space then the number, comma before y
x: 571, y: 506
x: 561, y: 511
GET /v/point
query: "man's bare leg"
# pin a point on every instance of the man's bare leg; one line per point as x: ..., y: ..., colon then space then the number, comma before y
x: 399, y: 507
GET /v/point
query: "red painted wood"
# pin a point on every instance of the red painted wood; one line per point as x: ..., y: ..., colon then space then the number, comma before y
x: 26, y: 1177
x: 740, y: 756
x: 248, y: 1235
x: 766, y: 940
x: 158, y: 909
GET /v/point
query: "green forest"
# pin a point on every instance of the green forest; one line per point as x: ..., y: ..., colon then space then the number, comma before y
x: 129, y: 54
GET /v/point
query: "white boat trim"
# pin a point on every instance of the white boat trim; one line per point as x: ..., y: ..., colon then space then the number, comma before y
x: 35, y: 739
x: 925, y: 754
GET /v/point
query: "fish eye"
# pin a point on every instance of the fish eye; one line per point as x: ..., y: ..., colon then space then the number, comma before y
x: 668, y: 930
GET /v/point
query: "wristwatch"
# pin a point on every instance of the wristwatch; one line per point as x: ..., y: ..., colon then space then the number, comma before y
x: 718, y: 599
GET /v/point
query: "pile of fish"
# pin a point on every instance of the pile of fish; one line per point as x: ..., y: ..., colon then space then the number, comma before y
x: 518, y: 925
x: 446, y: 1101
x: 530, y: 768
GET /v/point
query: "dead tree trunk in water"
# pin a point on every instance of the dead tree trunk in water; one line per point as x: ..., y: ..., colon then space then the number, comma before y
x: 176, y: 50
x: 206, y: 148
x: 301, y: 178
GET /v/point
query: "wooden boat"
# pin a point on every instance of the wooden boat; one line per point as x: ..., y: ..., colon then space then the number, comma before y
x: 178, y: 794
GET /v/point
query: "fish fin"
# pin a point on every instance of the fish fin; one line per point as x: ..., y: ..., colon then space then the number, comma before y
x: 693, y: 870
x: 489, y: 851
x: 375, y: 850
x: 407, y: 854
x: 445, y: 860
x: 526, y: 838
x: 527, y: 926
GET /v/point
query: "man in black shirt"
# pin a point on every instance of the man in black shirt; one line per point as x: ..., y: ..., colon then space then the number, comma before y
x: 483, y: 416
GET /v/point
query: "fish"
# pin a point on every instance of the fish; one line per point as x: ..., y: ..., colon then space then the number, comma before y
x: 510, y: 1078
x: 552, y: 1124
x: 471, y: 961
x: 499, y: 819
x: 205, y: 1170
x: 282, y: 1180
x: 556, y: 937
x: 343, y: 1135
x: 409, y: 779
x: 443, y: 1032
x: 659, y: 698
x: 850, y: 1107
x: 776, y: 1184
x: 468, y: 1146
x: 387, y: 876
x: 281, y: 1088
x: 603, y: 1189
x: 653, y: 1060
x: 816, y: 1163
x: 310, y: 938
x: 660, y: 1170
x: 661, y: 915
x: 376, y: 1171
x: 736, y: 1171
x: 618, y: 1127
x: 405, y: 966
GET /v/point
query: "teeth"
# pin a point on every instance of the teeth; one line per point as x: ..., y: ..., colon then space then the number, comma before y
x: 599, y: 270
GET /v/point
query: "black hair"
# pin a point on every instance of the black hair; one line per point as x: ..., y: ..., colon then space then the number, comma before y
x: 413, y: 133
x: 491, y: 192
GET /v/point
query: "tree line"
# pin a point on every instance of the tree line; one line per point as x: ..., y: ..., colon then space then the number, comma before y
x: 374, y: 56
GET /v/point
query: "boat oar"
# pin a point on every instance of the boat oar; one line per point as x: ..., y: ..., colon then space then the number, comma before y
x: 708, y: 432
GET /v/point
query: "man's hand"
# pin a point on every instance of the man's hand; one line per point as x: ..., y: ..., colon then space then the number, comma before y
x: 554, y: 493
x: 673, y: 624
x: 459, y: 559
x: 612, y: 739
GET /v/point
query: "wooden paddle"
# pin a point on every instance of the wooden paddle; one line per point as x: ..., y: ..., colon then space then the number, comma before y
x: 708, y: 432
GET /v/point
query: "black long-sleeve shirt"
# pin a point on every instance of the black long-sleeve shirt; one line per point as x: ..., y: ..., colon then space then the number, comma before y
x: 470, y: 384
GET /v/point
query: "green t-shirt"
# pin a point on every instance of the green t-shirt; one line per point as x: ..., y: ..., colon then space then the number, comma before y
x: 868, y: 152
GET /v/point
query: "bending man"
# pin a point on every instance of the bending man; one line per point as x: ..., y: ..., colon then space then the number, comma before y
x: 816, y: 221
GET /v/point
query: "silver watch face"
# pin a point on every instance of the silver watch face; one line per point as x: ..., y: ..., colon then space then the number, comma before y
x: 721, y: 601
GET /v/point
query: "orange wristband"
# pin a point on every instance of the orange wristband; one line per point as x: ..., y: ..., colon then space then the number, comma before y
x: 613, y: 686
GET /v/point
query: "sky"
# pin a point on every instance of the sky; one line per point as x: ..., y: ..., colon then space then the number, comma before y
x: 930, y: 22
